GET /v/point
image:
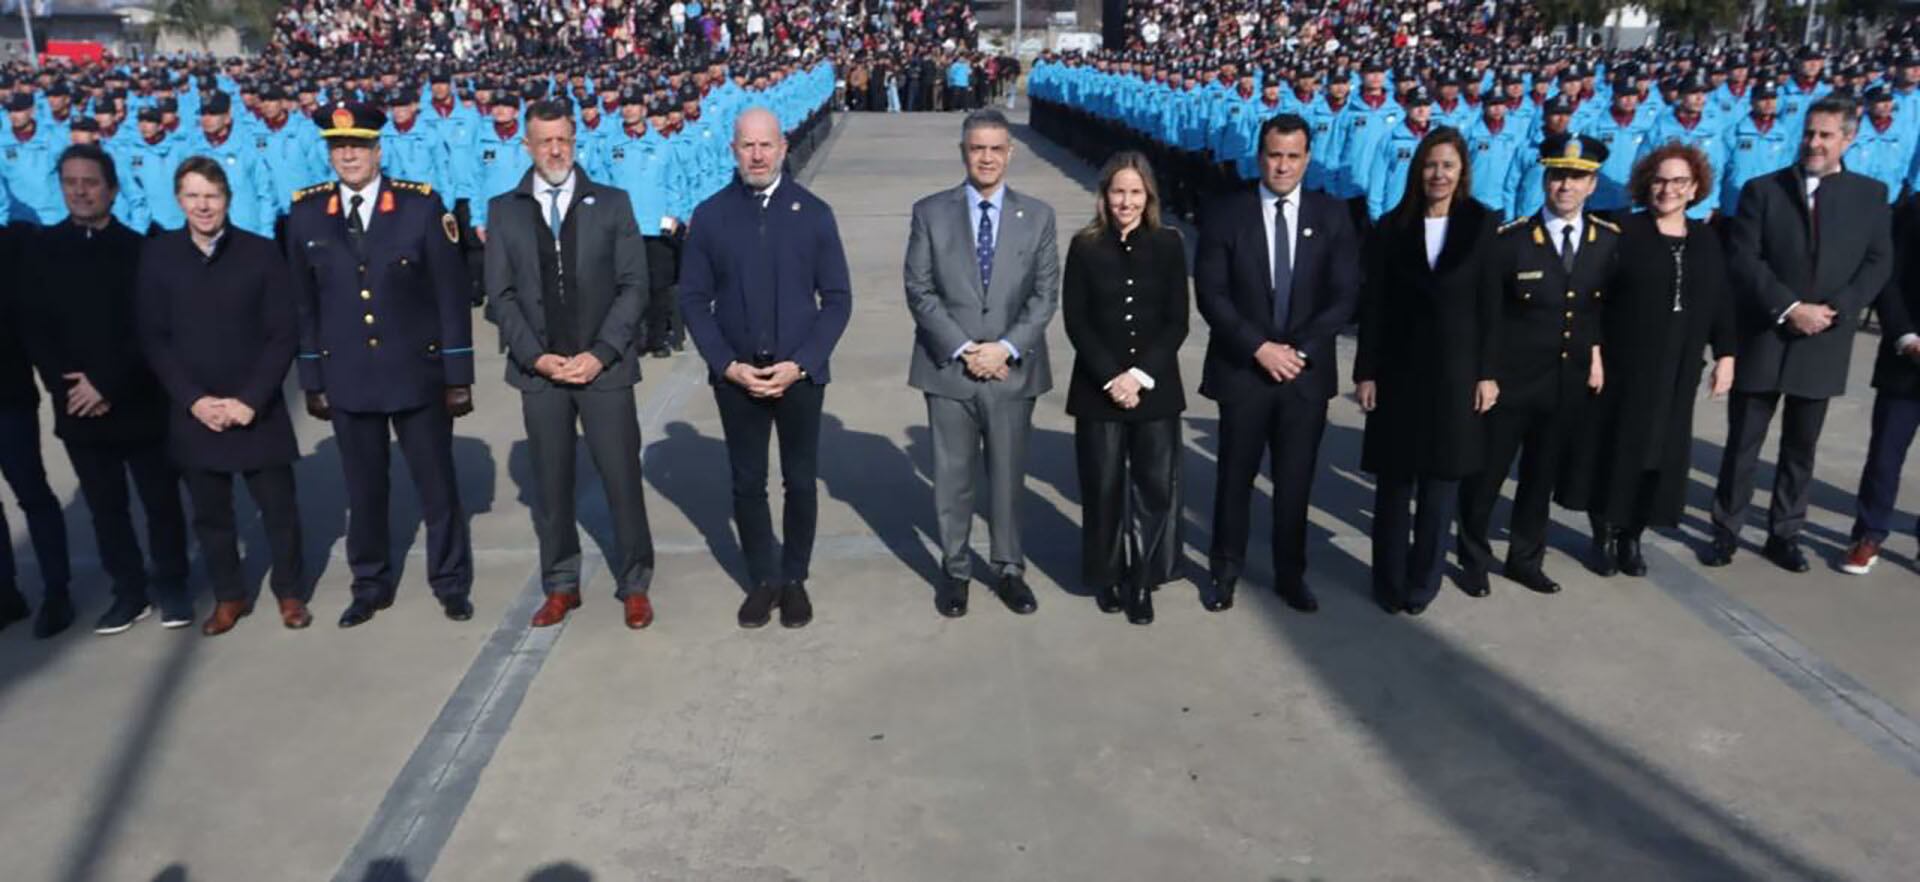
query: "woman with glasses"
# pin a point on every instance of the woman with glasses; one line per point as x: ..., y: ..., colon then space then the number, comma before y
x: 1666, y: 305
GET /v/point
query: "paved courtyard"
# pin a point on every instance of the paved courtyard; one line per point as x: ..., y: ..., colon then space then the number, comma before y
x: 1696, y: 725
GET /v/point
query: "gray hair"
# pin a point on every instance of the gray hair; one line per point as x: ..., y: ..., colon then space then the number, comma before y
x: 1841, y: 106
x: 984, y: 119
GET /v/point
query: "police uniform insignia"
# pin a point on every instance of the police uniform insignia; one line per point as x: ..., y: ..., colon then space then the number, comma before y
x: 619, y: 154
x: 13, y: 153
x: 486, y: 155
x: 451, y: 227
x: 333, y: 205
x: 315, y: 190
x: 1529, y: 276
x: 1745, y: 144
x: 232, y: 160
x: 1513, y: 225
x: 1573, y: 149
x: 1604, y: 224
x: 1538, y: 239
x: 260, y: 143
x: 342, y: 118
x: 386, y: 202
x: 138, y: 160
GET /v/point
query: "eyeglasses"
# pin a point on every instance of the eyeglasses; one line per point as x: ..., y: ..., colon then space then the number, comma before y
x: 1672, y: 183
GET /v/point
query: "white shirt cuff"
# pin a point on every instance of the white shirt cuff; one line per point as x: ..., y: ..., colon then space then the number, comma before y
x: 1012, y: 350
x: 1145, y: 381
x: 1905, y: 341
x: 1783, y: 313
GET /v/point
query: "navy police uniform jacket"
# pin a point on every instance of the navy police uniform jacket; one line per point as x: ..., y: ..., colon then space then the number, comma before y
x: 387, y: 326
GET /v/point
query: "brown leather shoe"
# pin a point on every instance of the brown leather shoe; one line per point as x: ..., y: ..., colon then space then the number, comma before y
x: 293, y: 614
x: 554, y: 611
x: 226, y: 614
x: 639, y: 611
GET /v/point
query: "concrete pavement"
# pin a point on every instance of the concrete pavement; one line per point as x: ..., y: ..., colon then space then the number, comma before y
x: 1700, y: 724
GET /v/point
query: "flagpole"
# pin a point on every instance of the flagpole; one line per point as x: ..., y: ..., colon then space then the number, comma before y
x: 26, y: 24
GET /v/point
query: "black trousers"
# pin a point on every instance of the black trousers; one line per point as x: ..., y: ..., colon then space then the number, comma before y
x: 661, y: 321
x: 1130, y: 501
x: 426, y: 440
x: 1539, y: 440
x: 1287, y: 429
x: 1411, y: 575
x: 749, y: 424
x: 26, y: 473
x: 1748, y: 416
x: 610, y: 422
x: 215, y: 528
x: 103, y: 470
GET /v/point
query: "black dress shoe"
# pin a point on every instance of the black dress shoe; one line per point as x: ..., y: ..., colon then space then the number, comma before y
x: 1140, y: 605
x: 1013, y: 592
x: 56, y: 615
x: 1787, y: 555
x: 1414, y: 609
x: 1107, y: 597
x: 1603, y: 557
x: 1219, y: 594
x: 1533, y: 579
x: 358, y: 613
x: 13, y: 607
x: 1300, y: 597
x: 458, y: 609
x: 796, y: 608
x: 951, y: 598
x: 1720, y: 553
x: 757, y: 610
x: 1626, y: 551
x: 1388, y: 603
x: 1473, y: 580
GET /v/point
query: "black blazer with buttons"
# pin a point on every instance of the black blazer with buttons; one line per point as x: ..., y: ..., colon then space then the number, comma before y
x: 1233, y: 284
x: 1124, y: 304
x: 1549, y: 318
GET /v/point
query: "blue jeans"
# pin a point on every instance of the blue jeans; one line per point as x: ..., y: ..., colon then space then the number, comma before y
x: 20, y: 463
x: 1895, y: 419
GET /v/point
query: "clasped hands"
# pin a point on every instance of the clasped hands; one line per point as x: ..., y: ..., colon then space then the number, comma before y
x: 578, y: 370
x: 1125, y: 390
x: 1808, y: 319
x: 1282, y: 363
x: 764, y: 382
x: 987, y: 360
x: 83, y: 400
x: 221, y: 414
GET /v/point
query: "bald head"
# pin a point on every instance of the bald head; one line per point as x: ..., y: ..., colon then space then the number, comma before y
x: 759, y: 149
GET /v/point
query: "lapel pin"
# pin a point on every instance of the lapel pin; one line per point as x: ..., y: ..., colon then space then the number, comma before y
x: 586, y: 200
x: 1019, y: 213
x: 796, y: 206
x: 1307, y: 232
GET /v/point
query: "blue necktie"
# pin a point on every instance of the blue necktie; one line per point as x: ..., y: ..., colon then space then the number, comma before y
x: 983, y: 245
x: 1282, y: 269
x: 553, y: 211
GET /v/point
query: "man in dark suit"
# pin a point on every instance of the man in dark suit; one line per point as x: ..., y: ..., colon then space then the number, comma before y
x: 1553, y: 269
x: 1809, y: 249
x: 1896, y: 403
x: 20, y: 460
x: 983, y: 280
x: 766, y: 294
x: 566, y: 273
x: 1276, y: 276
x: 386, y: 344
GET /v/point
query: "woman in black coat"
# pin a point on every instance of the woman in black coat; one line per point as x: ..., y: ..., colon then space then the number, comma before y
x: 217, y: 324
x: 1666, y: 305
x: 1124, y: 303
x: 1423, y: 366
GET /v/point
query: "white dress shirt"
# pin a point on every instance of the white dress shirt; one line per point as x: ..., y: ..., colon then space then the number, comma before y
x: 1268, y: 199
x: 368, y: 195
x: 1436, y: 239
x: 1556, y: 223
x: 767, y: 195
x: 542, y: 189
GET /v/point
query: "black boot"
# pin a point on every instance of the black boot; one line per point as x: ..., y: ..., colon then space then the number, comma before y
x: 1626, y: 551
x: 56, y: 614
x: 1140, y: 604
x: 1601, y: 555
x: 1107, y: 597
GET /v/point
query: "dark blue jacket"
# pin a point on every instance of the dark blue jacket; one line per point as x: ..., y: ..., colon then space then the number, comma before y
x: 772, y: 279
x: 387, y: 328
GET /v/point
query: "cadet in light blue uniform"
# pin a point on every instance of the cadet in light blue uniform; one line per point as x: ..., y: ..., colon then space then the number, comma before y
x: 1800, y: 91
x: 28, y: 154
x: 497, y: 159
x: 1883, y: 148
x: 1690, y: 124
x: 1760, y: 143
x: 151, y: 160
x: 1494, y: 143
x: 1449, y: 108
x: 641, y: 162
x: 1624, y: 130
x: 1526, y: 184
x: 1374, y: 113
x: 413, y: 151
x: 1387, y: 175
x: 1732, y: 99
x: 288, y: 145
x: 1326, y: 124
x: 592, y: 131
x: 253, y: 206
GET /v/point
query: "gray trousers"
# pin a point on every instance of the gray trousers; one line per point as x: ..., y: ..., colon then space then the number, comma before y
x: 963, y: 430
x: 611, y: 423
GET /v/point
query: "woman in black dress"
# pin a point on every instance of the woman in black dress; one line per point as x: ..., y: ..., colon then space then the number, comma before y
x: 1423, y: 368
x: 1666, y: 305
x: 1124, y: 303
x: 216, y: 321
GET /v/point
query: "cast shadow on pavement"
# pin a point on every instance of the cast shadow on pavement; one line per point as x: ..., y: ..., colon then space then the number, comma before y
x: 396, y: 870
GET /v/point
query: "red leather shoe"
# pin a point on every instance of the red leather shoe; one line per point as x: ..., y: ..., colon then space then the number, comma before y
x: 226, y: 614
x: 639, y: 611
x: 554, y: 611
x: 1860, y: 557
x: 294, y: 614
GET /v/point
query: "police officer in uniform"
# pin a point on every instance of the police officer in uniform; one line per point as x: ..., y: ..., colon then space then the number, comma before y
x: 386, y: 340
x: 1553, y: 270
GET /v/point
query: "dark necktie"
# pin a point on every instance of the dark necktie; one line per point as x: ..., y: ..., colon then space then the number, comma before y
x: 1282, y: 268
x: 355, y: 229
x: 1566, y: 247
x: 1813, y: 221
x: 983, y: 244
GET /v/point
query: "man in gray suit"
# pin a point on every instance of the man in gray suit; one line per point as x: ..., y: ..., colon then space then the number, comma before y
x: 566, y: 279
x: 983, y: 281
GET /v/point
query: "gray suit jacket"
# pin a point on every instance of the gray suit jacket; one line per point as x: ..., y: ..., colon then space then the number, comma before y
x: 611, y: 280
x: 950, y: 309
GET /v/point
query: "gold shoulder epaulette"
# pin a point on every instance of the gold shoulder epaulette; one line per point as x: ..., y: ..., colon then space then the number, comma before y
x: 1603, y: 223
x: 309, y: 192
x: 412, y: 187
x: 1512, y: 225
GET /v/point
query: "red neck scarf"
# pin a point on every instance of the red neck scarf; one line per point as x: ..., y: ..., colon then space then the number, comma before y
x: 1418, y: 129
x: 1374, y: 99
x: 24, y: 135
x: 506, y: 130
x: 1495, y: 125
x: 1763, y: 123
x: 444, y: 108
